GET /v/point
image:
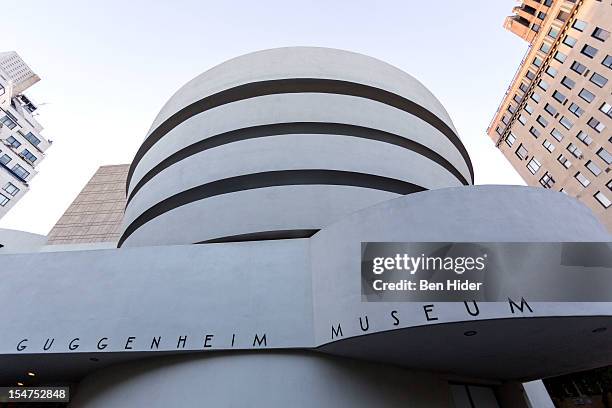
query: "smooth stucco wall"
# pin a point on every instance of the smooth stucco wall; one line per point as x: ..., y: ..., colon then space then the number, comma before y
x: 302, y: 62
x: 270, y: 379
x: 462, y: 214
x: 14, y: 241
x: 294, y: 291
x: 374, y: 130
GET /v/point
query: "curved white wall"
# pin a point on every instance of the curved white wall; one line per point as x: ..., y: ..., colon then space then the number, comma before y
x: 329, y: 133
x: 272, y: 379
x: 13, y: 241
x: 288, y: 108
x: 302, y: 62
x: 294, y: 291
x: 465, y: 214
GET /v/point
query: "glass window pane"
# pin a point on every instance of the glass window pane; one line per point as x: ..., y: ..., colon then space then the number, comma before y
x: 483, y: 397
x: 460, y: 396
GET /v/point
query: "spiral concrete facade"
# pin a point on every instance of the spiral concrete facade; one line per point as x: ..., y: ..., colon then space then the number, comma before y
x: 328, y: 147
x: 282, y: 142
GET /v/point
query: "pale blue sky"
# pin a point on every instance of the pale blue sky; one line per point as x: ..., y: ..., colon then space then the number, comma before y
x: 108, y: 66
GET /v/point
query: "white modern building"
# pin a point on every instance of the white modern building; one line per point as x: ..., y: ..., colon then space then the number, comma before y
x: 235, y: 278
x: 22, y: 147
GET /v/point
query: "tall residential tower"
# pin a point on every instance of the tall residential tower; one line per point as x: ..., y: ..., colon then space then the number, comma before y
x: 554, y: 122
x: 22, y: 147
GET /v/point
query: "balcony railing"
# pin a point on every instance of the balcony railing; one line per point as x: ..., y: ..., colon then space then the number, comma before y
x: 5, y: 167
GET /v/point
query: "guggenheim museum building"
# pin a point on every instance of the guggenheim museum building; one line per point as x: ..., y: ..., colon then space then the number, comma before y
x: 235, y: 276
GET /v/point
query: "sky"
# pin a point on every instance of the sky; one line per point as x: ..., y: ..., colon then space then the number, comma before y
x: 107, y: 67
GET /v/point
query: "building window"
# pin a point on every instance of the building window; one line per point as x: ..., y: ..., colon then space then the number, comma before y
x: 582, y: 179
x: 593, y: 168
x: 586, y: 95
x: 542, y: 84
x: 543, y: 122
x: 606, y: 108
x: 517, y: 98
x: 584, y: 138
x: 548, y: 146
x: 523, y: 87
x: 533, y: 165
x: 605, y: 155
x: 559, y: 97
x: 14, y: 143
x: 564, y: 162
x: 597, y: 125
x: 20, y: 172
x: 578, y: 67
x: 562, y: 16
x: 535, y: 27
x: 530, y: 75
x: 553, y: 33
x: 598, y: 80
x: 589, y: 51
x: 511, y: 108
x: 559, y: 56
x: 11, y: 189
x: 534, y: 132
x: 541, y: 15
x: 607, y: 61
x: 32, y: 139
x: 26, y: 154
x: 600, y: 34
x: 603, y: 200
x: 569, y: 41
x: 579, y: 25
x: 521, y: 152
x: 529, y: 109
x: 3, y: 200
x: 547, y: 181
x: 550, y: 109
x: 556, y: 134
x: 568, y: 82
x: 537, y: 61
x: 566, y: 123
x: 575, y: 109
x: 573, y: 149
x: 510, y: 139
x: 545, y: 47
x: 522, y: 120
x: 5, y: 159
x: 536, y: 97
x: 8, y: 122
x: 551, y: 71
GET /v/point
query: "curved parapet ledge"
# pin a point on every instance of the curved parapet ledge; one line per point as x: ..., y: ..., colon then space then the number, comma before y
x: 299, y: 136
x: 418, y: 334
x: 14, y: 241
x: 304, y: 294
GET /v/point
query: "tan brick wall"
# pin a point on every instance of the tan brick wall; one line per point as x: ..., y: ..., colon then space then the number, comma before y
x: 520, y: 104
x: 96, y: 214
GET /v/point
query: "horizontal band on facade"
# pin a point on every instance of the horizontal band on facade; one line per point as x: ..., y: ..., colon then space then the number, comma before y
x: 297, y: 85
x: 263, y: 236
x: 278, y: 129
x: 270, y: 179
